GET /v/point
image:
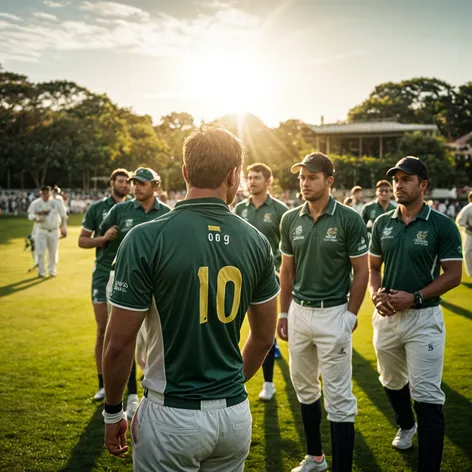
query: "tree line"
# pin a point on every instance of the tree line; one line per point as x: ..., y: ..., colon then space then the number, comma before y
x: 60, y: 132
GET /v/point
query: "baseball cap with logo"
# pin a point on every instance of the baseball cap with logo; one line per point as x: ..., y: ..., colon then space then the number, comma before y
x: 144, y: 174
x: 315, y: 162
x: 411, y: 165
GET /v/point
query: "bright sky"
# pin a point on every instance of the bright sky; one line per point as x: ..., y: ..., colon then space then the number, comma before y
x: 278, y: 60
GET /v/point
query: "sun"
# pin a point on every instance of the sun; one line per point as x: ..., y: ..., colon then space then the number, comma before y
x: 228, y: 82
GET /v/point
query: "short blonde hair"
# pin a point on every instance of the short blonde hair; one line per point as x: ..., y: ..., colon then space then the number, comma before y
x: 209, y: 154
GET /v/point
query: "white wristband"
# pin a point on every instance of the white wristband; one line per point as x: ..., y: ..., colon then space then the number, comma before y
x: 283, y: 316
x: 111, y: 418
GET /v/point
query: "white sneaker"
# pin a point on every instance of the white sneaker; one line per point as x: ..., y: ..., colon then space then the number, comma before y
x: 131, y: 406
x: 267, y: 392
x: 310, y: 465
x: 100, y: 395
x: 404, y: 438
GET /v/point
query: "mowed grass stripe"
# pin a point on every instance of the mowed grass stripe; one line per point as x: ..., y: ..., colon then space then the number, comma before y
x: 48, y: 377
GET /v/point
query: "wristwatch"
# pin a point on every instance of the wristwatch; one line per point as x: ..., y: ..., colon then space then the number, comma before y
x: 418, y: 299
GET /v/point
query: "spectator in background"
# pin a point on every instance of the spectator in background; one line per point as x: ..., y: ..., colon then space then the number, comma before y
x: 442, y: 207
x: 464, y: 220
x: 382, y: 204
x: 357, y: 196
x: 348, y: 201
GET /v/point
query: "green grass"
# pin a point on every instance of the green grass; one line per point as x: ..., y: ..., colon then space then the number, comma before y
x: 47, y: 372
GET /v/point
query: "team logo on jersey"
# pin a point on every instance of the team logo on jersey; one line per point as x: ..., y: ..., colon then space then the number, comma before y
x: 372, y: 215
x: 387, y: 233
x: 244, y: 213
x: 421, y: 238
x: 268, y: 218
x: 104, y: 213
x: 362, y: 245
x: 331, y: 234
x: 297, y: 234
x: 129, y: 223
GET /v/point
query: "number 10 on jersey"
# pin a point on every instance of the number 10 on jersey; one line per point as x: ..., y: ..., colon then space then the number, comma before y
x: 225, y: 275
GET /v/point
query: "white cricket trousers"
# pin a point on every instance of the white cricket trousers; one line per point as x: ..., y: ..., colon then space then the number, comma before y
x: 320, y: 342
x: 214, y: 439
x: 410, y: 348
x: 468, y: 253
x: 46, y: 240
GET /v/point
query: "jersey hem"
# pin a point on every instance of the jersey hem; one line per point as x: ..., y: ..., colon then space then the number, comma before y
x: 373, y: 254
x: 127, y: 307
x: 454, y: 259
x: 86, y: 229
x: 359, y: 255
x: 286, y: 254
x: 266, y: 300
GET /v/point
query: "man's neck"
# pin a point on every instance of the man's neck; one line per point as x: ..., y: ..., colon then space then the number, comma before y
x: 259, y: 199
x: 148, y: 204
x: 117, y: 198
x: 317, y: 207
x: 193, y: 193
x: 384, y: 205
x: 409, y: 212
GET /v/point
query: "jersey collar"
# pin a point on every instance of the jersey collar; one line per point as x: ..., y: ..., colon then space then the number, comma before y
x: 329, y: 210
x: 423, y: 214
x: 267, y: 201
x: 196, y: 202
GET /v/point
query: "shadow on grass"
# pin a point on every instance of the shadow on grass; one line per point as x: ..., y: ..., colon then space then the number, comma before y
x: 467, y: 284
x: 273, y: 440
x: 363, y: 454
x: 90, y: 445
x: 458, y: 413
x: 457, y: 309
x: 21, y: 285
x: 368, y: 379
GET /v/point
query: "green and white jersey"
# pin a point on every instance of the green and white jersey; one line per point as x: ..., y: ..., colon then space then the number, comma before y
x: 93, y: 219
x: 266, y: 219
x: 322, y: 250
x: 126, y: 215
x: 412, y: 253
x: 371, y: 211
x: 199, y: 268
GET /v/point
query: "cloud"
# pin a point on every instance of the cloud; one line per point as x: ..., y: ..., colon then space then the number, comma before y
x: 51, y: 4
x: 114, y: 9
x: 121, y: 28
x: 9, y: 16
x: 335, y: 58
x: 45, y: 16
x: 215, y: 4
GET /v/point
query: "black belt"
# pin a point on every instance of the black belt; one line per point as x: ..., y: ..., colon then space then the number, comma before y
x: 320, y: 303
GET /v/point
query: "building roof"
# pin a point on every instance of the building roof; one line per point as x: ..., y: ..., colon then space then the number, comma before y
x: 463, y: 141
x: 372, y: 127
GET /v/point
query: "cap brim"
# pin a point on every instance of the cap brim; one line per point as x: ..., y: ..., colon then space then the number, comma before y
x: 295, y: 169
x: 392, y: 171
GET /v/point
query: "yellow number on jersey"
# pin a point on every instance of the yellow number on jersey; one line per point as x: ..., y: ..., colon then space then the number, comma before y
x: 225, y: 275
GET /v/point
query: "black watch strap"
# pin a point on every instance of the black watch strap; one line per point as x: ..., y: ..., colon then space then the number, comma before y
x: 418, y: 299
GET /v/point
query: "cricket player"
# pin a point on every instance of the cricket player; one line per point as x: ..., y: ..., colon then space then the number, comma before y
x: 264, y: 212
x: 123, y: 217
x: 464, y: 220
x: 357, y: 195
x: 91, y: 237
x: 413, y: 243
x: 321, y: 242
x: 199, y: 268
x: 382, y: 204
x: 49, y: 215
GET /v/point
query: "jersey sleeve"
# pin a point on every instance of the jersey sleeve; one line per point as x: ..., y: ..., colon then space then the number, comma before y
x: 109, y: 220
x: 450, y: 243
x: 375, y: 248
x: 285, y: 242
x: 357, y: 237
x: 89, y: 223
x: 267, y: 287
x: 132, y: 287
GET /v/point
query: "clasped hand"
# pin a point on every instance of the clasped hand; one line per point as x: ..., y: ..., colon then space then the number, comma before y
x: 388, y: 303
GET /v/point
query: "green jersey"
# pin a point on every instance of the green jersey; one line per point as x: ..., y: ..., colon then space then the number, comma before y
x: 322, y: 250
x: 126, y: 215
x: 199, y: 268
x: 412, y: 253
x: 371, y: 211
x: 266, y: 219
x: 94, y: 217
